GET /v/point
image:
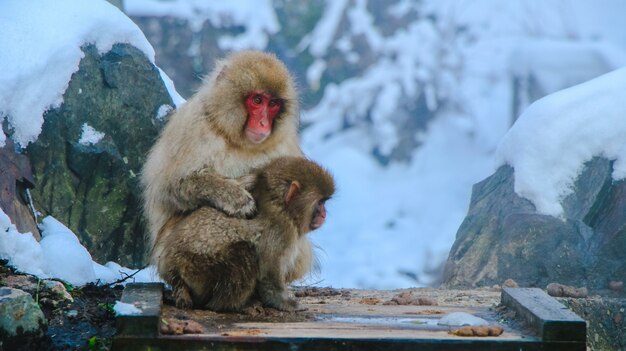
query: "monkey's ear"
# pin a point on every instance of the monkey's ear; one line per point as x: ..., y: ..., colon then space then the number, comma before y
x: 222, y: 74
x: 294, y: 188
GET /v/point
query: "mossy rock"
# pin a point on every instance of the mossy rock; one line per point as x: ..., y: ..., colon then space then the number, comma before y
x: 94, y: 188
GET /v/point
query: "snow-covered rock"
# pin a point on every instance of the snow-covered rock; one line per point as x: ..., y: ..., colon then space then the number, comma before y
x: 555, y: 210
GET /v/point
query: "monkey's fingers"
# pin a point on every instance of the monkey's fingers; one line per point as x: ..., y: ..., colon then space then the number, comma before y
x: 240, y: 204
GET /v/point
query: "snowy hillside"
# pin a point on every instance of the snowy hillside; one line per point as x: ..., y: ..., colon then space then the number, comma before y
x: 405, y: 103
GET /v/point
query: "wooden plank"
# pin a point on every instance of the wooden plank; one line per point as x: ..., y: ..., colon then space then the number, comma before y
x: 200, y: 342
x: 551, y: 320
x: 338, y: 322
x: 147, y: 297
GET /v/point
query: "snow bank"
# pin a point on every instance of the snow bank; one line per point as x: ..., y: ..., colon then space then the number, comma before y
x: 60, y: 255
x: 555, y: 136
x: 40, y: 50
x: 21, y: 250
x: 63, y: 255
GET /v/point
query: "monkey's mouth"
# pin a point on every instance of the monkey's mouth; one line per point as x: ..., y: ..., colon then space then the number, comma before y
x: 256, y: 137
x: 316, y: 224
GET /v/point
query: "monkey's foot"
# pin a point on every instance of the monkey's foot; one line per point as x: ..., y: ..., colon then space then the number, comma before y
x: 183, y: 298
x: 289, y: 305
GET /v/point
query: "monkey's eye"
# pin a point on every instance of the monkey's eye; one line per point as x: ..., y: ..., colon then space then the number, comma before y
x: 275, y: 103
x: 257, y: 99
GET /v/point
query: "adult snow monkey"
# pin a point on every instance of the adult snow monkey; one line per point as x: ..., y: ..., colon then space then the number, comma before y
x: 243, y: 116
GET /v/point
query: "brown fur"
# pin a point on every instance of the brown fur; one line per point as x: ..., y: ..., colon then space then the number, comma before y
x: 203, y: 148
x: 218, y: 262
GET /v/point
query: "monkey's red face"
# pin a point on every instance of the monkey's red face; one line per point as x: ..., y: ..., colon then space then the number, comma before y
x: 262, y: 109
x: 319, y: 215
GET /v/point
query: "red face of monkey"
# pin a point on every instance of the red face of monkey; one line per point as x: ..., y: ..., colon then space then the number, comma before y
x: 262, y: 109
x: 319, y: 215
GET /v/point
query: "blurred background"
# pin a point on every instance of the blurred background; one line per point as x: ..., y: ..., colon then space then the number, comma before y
x: 403, y: 101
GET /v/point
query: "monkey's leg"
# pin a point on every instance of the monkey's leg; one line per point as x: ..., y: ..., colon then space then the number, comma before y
x: 233, y: 279
x: 273, y: 292
x: 204, y: 187
x: 181, y: 294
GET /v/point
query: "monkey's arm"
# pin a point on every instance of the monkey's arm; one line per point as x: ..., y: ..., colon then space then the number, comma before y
x: 204, y: 187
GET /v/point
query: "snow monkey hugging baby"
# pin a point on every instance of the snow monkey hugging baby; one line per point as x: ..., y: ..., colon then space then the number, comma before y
x: 243, y: 117
x: 219, y: 262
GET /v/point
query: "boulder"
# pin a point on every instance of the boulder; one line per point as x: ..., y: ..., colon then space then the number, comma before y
x: 503, y: 237
x: 21, y: 321
x: 91, y: 184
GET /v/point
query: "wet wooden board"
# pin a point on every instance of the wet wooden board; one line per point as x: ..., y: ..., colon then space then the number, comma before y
x: 550, y: 319
x: 147, y: 298
x: 348, y: 323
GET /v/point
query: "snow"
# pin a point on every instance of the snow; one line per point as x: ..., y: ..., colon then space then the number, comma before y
x: 89, y: 135
x: 314, y: 74
x: 555, y: 136
x: 459, y: 319
x: 403, y: 218
x: 386, y: 220
x: 125, y: 309
x: 326, y: 28
x: 169, y: 85
x: 63, y: 255
x: 163, y: 111
x: 21, y: 250
x: 256, y: 16
x: 544, y: 59
x: 60, y: 255
x: 40, y: 50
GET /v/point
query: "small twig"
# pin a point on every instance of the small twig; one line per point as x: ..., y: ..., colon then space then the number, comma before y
x: 309, y: 285
x: 31, y: 206
x: 128, y: 276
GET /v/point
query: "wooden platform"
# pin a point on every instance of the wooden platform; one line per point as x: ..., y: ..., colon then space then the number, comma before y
x: 357, y: 320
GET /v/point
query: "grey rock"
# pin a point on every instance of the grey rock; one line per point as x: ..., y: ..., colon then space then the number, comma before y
x: 50, y: 293
x: 21, y: 320
x: 93, y: 188
x: 503, y: 236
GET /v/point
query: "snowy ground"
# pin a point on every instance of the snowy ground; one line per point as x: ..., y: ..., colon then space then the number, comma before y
x: 384, y: 220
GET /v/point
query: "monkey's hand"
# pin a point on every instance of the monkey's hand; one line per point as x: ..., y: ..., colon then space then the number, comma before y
x: 204, y: 187
x: 237, y: 201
